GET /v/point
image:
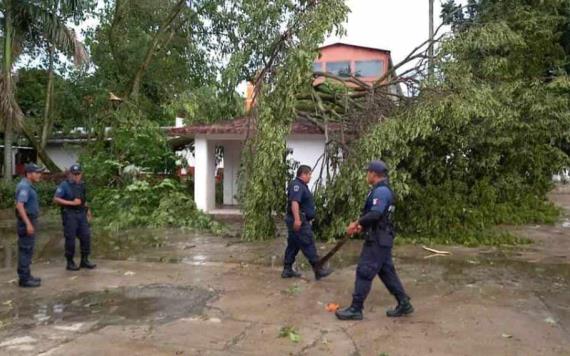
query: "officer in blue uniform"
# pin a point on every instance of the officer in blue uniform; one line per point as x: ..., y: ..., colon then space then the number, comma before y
x: 27, y: 213
x: 71, y: 197
x: 301, y: 211
x: 376, y: 256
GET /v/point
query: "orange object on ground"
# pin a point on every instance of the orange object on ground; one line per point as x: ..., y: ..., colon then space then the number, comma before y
x: 332, y: 307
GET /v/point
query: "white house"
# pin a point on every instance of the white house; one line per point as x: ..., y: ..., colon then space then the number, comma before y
x: 306, y: 144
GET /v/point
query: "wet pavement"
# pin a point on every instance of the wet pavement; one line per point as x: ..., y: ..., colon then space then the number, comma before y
x: 173, y: 292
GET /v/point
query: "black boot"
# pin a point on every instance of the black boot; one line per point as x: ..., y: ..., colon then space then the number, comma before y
x: 350, y: 313
x: 289, y: 272
x: 322, y: 272
x: 71, y: 266
x: 85, y: 262
x: 36, y: 279
x: 29, y: 283
x: 403, y: 308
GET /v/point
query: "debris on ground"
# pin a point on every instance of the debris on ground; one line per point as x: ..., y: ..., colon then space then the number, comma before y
x: 291, y: 333
x: 435, y: 252
x: 550, y: 320
x: 332, y: 307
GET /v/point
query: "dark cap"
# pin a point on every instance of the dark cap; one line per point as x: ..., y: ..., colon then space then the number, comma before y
x: 75, y: 169
x: 378, y: 167
x: 33, y: 168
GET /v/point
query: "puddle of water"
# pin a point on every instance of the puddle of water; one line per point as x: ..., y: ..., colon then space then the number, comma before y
x: 149, y: 303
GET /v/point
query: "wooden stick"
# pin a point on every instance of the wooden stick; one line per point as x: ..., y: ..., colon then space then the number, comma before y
x: 332, y: 252
x: 436, y: 251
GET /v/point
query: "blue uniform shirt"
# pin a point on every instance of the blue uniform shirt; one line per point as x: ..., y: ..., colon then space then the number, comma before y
x: 69, y: 190
x: 379, y: 199
x: 26, y: 194
x: 298, y: 191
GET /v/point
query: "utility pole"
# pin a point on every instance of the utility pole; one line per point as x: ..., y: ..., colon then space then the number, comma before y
x: 431, y: 34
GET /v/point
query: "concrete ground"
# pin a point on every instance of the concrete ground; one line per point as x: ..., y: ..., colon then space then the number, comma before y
x: 169, y: 292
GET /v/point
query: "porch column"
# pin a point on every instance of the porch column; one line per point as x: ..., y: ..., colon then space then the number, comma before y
x: 232, y: 157
x: 204, y: 174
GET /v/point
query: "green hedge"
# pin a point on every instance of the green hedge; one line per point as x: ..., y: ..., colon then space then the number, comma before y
x: 45, y: 191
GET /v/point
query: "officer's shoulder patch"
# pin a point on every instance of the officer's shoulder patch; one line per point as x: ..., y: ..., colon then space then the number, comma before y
x: 296, y: 188
x: 375, y: 201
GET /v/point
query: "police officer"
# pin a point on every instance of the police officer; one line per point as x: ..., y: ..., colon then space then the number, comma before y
x: 27, y: 213
x: 300, y: 213
x: 376, y: 256
x: 71, y: 197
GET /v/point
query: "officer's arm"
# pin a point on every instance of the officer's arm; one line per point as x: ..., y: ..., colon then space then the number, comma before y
x: 371, y: 218
x: 380, y: 198
x: 58, y: 198
x: 21, y: 199
x: 22, y: 212
x: 295, y: 210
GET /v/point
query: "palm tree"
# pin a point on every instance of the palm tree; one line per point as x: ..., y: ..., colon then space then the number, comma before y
x: 32, y: 23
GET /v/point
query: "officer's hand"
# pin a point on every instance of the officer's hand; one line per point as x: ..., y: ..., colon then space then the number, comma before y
x: 358, y: 228
x: 351, y: 229
x: 297, y: 225
x: 30, y: 229
x: 76, y: 202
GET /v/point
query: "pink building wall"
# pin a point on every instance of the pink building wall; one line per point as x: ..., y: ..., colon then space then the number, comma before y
x: 344, y: 52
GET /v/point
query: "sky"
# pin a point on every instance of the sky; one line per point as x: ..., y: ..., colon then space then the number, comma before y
x: 395, y: 25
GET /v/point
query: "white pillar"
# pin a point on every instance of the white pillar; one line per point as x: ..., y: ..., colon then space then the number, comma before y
x: 232, y: 157
x: 204, y: 174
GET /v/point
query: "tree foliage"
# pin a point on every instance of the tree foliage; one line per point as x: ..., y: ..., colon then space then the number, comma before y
x: 291, y: 32
x: 479, y: 145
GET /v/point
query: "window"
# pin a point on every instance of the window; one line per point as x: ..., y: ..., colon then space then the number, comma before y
x: 372, y: 68
x: 341, y: 69
x: 317, y: 67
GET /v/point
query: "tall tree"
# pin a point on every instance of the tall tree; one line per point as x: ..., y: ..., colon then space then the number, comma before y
x: 32, y: 23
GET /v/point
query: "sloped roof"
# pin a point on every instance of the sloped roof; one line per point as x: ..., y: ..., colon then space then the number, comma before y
x: 354, y: 45
x: 239, y: 126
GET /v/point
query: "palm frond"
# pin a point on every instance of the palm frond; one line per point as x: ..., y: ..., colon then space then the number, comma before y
x: 40, y: 22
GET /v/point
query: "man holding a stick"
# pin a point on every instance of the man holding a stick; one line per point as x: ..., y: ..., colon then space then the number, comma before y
x: 376, y: 256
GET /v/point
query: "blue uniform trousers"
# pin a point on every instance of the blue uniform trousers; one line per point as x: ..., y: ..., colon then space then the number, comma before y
x: 75, y: 225
x: 375, y: 260
x: 26, y: 245
x: 300, y: 240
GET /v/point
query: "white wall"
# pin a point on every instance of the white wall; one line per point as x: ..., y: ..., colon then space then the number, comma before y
x: 307, y: 150
x: 204, y: 174
x: 231, y: 163
x: 64, y: 156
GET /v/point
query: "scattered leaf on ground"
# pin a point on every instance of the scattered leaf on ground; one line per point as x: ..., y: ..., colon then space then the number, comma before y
x: 293, y: 290
x: 507, y: 336
x: 290, y: 332
x: 550, y: 320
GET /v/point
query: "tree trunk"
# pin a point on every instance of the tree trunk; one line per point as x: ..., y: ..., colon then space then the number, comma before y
x: 8, y: 138
x: 431, y: 34
x: 48, y: 117
x: 42, y: 154
x: 137, y: 79
x: 7, y: 113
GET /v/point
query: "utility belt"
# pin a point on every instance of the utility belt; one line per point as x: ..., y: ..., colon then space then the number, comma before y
x: 74, y: 210
x: 289, y: 218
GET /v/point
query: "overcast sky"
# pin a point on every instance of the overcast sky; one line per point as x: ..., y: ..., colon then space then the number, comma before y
x: 395, y: 25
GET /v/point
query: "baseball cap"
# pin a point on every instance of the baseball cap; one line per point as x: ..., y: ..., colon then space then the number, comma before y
x: 378, y: 167
x: 75, y: 169
x: 33, y: 168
